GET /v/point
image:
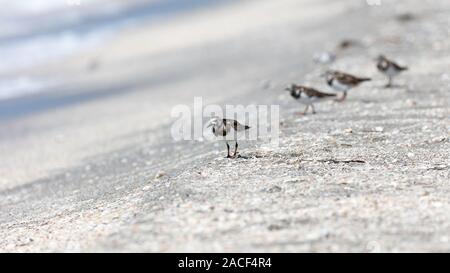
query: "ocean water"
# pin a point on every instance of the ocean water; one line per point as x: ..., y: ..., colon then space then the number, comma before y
x: 33, y: 32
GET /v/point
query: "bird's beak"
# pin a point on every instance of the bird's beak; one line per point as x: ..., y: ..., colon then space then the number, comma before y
x: 209, y: 125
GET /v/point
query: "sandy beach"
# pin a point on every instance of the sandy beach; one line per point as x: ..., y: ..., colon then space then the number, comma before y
x: 89, y: 165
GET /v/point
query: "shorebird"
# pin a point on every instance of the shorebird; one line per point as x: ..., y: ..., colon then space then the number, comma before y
x: 389, y: 68
x: 227, y: 129
x: 342, y: 82
x: 308, y: 96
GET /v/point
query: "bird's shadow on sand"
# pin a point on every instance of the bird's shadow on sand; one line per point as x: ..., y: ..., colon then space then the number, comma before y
x: 244, y: 157
x: 247, y: 156
x: 394, y: 86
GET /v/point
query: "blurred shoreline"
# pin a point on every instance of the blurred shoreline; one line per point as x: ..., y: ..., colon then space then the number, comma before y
x: 49, y: 35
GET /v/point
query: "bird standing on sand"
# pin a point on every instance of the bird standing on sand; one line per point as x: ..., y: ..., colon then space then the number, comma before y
x: 389, y: 68
x: 308, y: 96
x: 343, y: 82
x: 227, y: 129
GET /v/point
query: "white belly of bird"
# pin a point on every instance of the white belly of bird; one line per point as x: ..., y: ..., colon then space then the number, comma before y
x: 340, y: 87
x: 305, y: 100
x: 391, y: 72
x: 231, y: 135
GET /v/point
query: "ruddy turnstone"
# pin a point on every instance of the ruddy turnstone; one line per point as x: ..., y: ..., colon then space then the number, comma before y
x: 308, y: 96
x: 389, y: 68
x: 227, y: 129
x: 343, y: 82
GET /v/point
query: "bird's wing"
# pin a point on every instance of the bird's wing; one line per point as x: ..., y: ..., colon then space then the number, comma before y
x: 349, y: 79
x: 346, y: 79
x: 311, y: 92
x: 397, y: 66
x: 235, y: 124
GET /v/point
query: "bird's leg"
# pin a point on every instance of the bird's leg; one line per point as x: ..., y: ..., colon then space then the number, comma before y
x: 228, y: 150
x: 304, y: 112
x: 306, y: 109
x: 389, y: 84
x: 235, y: 150
x: 343, y: 97
x: 313, y: 110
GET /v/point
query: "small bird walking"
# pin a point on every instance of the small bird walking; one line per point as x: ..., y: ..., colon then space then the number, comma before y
x: 308, y: 96
x: 343, y: 82
x: 389, y: 68
x: 227, y: 129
